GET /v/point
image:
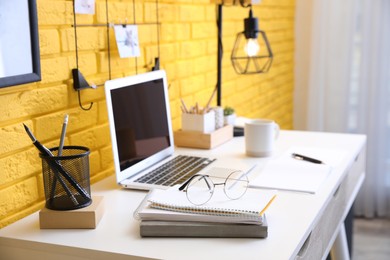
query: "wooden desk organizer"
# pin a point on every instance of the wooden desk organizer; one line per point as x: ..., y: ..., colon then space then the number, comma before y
x: 201, y: 140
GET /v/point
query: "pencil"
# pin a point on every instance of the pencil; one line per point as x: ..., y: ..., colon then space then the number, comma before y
x: 62, y: 138
x: 184, y: 105
x: 211, y: 98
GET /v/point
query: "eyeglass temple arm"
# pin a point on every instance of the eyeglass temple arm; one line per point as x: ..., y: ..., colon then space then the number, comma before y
x: 184, y: 185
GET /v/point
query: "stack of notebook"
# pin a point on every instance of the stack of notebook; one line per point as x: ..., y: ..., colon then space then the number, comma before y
x: 168, y: 213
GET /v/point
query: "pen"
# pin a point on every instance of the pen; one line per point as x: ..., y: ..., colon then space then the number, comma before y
x: 37, y: 144
x: 62, y: 139
x: 305, y: 158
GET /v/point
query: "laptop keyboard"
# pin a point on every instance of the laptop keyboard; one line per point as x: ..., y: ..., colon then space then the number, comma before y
x: 176, y: 170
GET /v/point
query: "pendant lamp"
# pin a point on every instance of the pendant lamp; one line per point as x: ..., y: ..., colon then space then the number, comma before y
x: 251, y: 52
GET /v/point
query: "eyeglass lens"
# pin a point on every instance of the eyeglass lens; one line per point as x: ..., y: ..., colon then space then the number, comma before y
x: 236, y: 185
x: 200, y: 190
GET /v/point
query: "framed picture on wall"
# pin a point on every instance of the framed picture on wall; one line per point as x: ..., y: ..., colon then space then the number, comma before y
x: 19, y: 43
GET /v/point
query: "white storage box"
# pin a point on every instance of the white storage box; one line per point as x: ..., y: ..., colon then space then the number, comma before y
x: 204, y: 123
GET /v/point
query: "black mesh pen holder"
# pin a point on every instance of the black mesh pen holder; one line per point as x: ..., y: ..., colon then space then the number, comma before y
x: 66, y: 178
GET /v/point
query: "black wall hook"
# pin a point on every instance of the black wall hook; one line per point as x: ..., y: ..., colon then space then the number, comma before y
x: 156, y: 64
x: 79, y: 83
x: 81, y: 106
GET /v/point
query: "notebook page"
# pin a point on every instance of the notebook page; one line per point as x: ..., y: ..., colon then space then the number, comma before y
x: 286, y: 173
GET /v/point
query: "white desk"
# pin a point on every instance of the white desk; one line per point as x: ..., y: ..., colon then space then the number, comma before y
x: 301, y: 226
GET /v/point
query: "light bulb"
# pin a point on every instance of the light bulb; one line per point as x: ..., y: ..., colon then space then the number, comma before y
x: 252, y: 47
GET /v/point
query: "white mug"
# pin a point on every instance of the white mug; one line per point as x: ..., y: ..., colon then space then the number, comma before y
x: 260, y: 136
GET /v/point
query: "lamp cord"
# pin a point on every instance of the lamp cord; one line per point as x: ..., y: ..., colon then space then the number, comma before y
x: 220, y: 55
x: 219, y: 25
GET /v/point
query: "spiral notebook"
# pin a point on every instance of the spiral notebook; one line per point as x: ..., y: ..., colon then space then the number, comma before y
x: 172, y: 204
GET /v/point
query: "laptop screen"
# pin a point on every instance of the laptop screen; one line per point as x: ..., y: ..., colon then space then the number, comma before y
x: 140, y: 121
x: 138, y: 109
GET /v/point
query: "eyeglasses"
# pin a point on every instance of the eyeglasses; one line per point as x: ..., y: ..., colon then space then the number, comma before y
x: 200, y: 188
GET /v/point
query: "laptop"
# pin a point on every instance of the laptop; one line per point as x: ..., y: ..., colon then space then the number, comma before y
x: 141, y: 134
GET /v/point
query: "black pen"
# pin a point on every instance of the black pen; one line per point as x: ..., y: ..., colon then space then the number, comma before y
x: 37, y: 144
x: 305, y: 158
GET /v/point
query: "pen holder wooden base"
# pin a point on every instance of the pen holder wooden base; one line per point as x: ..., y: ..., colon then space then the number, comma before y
x: 84, y: 218
x: 195, y: 139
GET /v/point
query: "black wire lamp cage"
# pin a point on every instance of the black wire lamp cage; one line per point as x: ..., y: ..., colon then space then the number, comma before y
x: 251, y: 52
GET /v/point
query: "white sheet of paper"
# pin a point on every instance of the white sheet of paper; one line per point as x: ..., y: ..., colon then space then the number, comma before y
x: 329, y: 157
x: 286, y: 173
x: 84, y: 6
x: 127, y: 40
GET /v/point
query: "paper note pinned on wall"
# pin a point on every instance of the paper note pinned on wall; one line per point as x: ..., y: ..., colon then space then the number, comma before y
x: 127, y: 40
x: 84, y: 6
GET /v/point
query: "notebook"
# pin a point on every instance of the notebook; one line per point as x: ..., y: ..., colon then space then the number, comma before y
x: 155, y: 228
x: 173, y: 205
x: 141, y: 134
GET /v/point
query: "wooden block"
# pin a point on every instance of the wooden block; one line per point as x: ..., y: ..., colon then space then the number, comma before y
x: 87, y: 217
x: 203, y: 140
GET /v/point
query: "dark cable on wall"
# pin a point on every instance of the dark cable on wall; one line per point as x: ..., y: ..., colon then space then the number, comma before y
x: 134, y: 20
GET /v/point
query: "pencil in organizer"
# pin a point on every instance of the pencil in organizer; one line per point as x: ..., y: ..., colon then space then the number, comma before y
x: 58, y: 169
x: 63, y: 132
x: 207, y: 107
x: 60, y: 148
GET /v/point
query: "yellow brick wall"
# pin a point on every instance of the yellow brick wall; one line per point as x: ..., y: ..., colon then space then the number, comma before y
x: 188, y: 45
